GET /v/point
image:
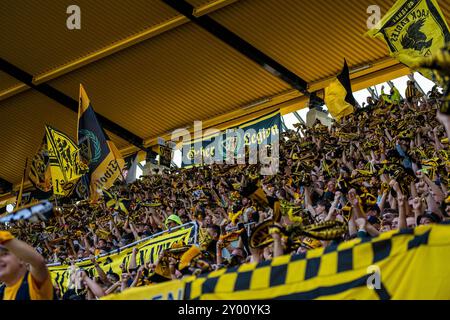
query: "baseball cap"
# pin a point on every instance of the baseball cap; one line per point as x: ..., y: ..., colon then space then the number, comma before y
x: 174, y: 218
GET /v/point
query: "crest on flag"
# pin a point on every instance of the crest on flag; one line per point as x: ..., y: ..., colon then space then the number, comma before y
x: 65, y: 164
x: 104, y: 159
x: 413, y: 29
x: 39, y: 174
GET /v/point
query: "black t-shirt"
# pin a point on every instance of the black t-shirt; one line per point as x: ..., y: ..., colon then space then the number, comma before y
x: 211, y: 248
x: 72, y: 294
x: 328, y: 196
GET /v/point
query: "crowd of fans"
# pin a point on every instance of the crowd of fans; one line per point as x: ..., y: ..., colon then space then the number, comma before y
x: 382, y: 168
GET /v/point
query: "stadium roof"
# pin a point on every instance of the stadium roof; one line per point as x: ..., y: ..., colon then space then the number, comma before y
x: 150, y: 68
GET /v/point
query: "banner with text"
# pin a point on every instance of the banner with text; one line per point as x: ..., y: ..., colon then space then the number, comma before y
x: 149, y: 251
x: 233, y: 142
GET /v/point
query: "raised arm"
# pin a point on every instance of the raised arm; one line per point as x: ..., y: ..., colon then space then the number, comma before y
x: 101, y: 273
x: 93, y: 286
x: 28, y: 254
x: 133, y: 265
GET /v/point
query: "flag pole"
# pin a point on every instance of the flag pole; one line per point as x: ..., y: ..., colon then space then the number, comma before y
x: 19, y: 196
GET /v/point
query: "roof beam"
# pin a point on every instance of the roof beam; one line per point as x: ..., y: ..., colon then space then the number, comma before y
x: 115, y: 47
x: 68, y: 102
x: 5, y: 186
x: 239, y: 44
x: 292, y: 100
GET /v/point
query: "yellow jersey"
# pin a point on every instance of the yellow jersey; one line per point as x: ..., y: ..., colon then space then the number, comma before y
x: 35, y: 292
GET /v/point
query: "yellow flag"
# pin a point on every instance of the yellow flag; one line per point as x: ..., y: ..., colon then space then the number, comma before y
x: 339, y: 97
x: 40, y: 175
x: 65, y: 165
x: 413, y: 29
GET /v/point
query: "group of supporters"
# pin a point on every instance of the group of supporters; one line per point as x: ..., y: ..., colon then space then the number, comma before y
x: 384, y: 167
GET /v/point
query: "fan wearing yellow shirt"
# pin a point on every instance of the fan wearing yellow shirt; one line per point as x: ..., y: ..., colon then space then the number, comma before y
x: 23, y: 271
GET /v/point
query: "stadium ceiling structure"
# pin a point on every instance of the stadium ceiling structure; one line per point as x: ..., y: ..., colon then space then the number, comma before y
x: 153, y: 66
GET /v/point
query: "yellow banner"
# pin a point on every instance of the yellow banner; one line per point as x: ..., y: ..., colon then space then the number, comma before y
x: 149, y: 250
x: 399, y: 265
x: 65, y: 165
x: 413, y: 29
x: 171, y: 290
x: 408, y: 264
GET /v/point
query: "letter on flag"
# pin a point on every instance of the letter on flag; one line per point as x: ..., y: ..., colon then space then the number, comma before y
x: 413, y: 29
x: 104, y: 159
x: 65, y: 163
x: 339, y: 97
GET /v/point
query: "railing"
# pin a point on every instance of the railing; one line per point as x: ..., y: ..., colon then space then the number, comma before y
x: 192, y: 240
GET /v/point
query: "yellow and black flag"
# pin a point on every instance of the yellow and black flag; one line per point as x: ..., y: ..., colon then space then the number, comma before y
x: 439, y: 68
x: 413, y: 29
x: 104, y: 159
x: 39, y: 174
x: 112, y: 200
x: 66, y: 166
x: 339, y: 97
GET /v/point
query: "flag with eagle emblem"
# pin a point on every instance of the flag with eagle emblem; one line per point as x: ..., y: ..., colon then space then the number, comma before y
x: 413, y: 29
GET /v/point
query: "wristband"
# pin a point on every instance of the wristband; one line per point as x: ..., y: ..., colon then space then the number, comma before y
x: 274, y: 230
x: 5, y: 236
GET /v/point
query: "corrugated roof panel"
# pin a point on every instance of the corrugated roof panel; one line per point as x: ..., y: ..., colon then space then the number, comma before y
x: 37, y: 37
x: 309, y: 37
x: 6, y: 81
x: 22, y: 126
x: 199, y: 3
x: 23, y: 119
x: 198, y: 78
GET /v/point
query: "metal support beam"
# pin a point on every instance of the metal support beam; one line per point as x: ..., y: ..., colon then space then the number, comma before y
x: 411, y: 77
x: 284, y: 127
x: 148, y: 33
x: 68, y: 102
x: 239, y: 44
x: 299, y: 118
x: 391, y: 84
x: 373, y: 93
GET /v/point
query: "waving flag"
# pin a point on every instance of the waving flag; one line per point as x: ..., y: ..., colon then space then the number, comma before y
x: 39, y: 174
x: 66, y: 166
x: 413, y: 29
x: 104, y: 159
x: 339, y: 97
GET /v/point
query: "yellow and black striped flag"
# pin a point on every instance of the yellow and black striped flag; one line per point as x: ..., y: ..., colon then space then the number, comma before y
x: 399, y: 265
x: 339, y: 97
x: 408, y: 264
x: 413, y: 29
x: 66, y: 166
x: 39, y: 174
x: 105, y: 161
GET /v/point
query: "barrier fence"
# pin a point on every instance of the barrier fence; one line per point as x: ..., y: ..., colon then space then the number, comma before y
x: 149, y: 250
